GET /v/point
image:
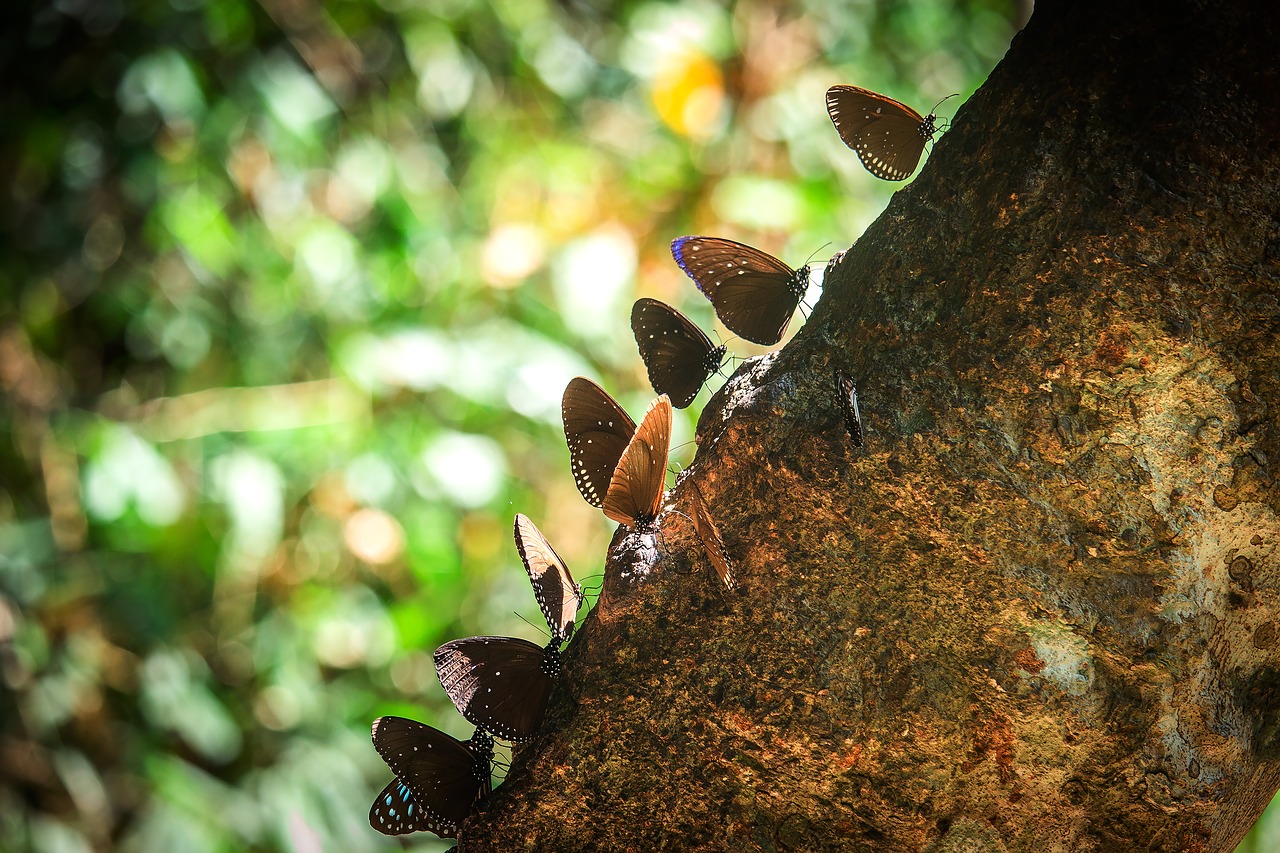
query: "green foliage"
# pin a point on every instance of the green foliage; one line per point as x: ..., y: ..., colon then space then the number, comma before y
x: 289, y: 297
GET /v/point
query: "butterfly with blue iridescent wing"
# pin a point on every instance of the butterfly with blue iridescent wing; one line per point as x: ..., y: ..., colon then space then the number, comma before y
x: 438, y: 778
x: 753, y: 292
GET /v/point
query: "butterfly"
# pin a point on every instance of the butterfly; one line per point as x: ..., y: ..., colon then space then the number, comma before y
x: 710, y: 536
x: 754, y: 293
x: 677, y: 354
x: 500, y: 684
x: 597, y: 430
x: 438, y: 778
x: 635, y: 492
x: 887, y: 136
x: 847, y: 400
x: 558, y: 595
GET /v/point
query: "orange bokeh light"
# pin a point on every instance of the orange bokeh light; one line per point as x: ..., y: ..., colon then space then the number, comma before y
x: 688, y: 93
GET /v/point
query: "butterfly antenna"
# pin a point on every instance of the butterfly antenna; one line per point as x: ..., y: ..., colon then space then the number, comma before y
x: 943, y: 101
x: 725, y: 343
x: 809, y: 260
x: 727, y: 355
x: 537, y: 628
x: 681, y: 514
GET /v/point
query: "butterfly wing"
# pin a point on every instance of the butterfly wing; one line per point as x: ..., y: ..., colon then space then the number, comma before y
x: 677, y: 354
x: 847, y: 397
x: 500, y: 684
x: 396, y: 812
x: 884, y: 133
x: 753, y: 292
x: 712, y: 543
x: 635, y: 494
x: 559, y: 597
x: 438, y: 779
x: 597, y: 430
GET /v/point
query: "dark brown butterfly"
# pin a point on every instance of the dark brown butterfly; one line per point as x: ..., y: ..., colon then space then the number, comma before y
x: 887, y: 136
x: 710, y: 536
x: 754, y: 293
x: 499, y: 684
x: 677, y: 354
x: 847, y: 400
x: 438, y: 778
x: 597, y: 430
x: 635, y: 493
x: 558, y: 595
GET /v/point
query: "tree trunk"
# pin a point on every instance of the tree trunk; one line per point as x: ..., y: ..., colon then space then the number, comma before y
x: 1039, y: 610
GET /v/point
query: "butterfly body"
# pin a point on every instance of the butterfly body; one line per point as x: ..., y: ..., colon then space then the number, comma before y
x: 438, y: 779
x: 677, y: 355
x: 500, y: 684
x: 928, y: 127
x: 754, y: 293
x: 887, y: 135
x: 713, y: 359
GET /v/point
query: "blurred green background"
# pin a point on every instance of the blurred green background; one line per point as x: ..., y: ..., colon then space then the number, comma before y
x: 288, y: 296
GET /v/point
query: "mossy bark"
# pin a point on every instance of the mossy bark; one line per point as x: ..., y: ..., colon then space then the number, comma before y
x: 1039, y: 611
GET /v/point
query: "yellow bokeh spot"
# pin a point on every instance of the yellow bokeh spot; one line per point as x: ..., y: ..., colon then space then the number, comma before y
x: 688, y: 93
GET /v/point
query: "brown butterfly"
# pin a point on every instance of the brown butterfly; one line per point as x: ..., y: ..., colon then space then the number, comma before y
x: 753, y: 292
x: 888, y: 136
x: 499, y: 684
x: 635, y: 492
x: 558, y: 595
x: 710, y: 536
x: 678, y: 356
x: 847, y: 400
x: 438, y: 779
x: 597, y: 430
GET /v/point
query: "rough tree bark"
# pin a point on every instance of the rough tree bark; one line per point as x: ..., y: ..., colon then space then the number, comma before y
x: 1040, y: 611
